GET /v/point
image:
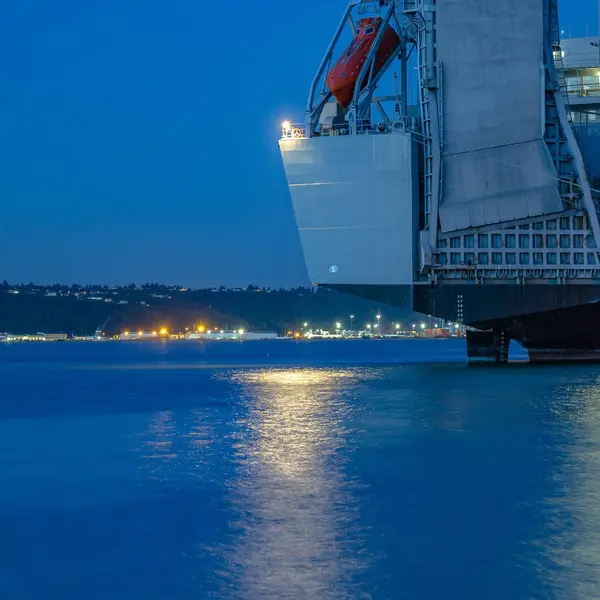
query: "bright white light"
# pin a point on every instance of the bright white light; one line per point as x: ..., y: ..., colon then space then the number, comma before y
x: 286, y: 125
x: 397, y: 325
x: 422, y: 325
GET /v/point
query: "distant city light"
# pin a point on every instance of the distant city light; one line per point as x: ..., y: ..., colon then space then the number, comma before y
x: 241, y: 332
x: 140, y: 332
x: 422, y: 325
x: 397, y: 325
x: 201, y: 328
x: 164, y: 331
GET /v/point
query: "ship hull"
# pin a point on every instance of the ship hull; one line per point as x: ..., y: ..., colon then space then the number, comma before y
x: 554, y: 323
x: 355, y: 200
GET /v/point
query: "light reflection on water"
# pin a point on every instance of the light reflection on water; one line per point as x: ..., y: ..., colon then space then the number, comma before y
x: 297, y: 506
x: 176, y: 446
x: 382, y: 482
x: 297, y: 533
x: 161, y: 432
x: 572, y: 540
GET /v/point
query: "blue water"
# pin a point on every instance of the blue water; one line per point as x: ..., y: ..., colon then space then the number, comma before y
x: 283, y: 470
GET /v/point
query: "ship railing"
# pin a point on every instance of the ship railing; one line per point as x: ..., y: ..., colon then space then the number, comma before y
x: 293, y: 131
x: 587, y: 129
x: 367, y: 127
x: 582, y: 90
x: 363, y: 127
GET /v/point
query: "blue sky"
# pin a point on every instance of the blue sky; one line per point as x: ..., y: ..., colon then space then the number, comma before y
x: 579, y: 17
x: 139, y: 138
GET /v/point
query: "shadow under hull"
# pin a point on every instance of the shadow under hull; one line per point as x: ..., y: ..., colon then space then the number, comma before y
x: 554, y: 323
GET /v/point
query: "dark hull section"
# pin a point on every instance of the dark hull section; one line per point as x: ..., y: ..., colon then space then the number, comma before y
x: 553, y: 322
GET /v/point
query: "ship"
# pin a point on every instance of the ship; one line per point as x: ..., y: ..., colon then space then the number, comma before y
x: 472, y: 199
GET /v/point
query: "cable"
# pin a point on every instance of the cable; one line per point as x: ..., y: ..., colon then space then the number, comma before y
x: 513, y: 165
x: 508, y: 164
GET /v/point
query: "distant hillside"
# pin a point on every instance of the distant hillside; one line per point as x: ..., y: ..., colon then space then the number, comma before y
x: 80, y: 310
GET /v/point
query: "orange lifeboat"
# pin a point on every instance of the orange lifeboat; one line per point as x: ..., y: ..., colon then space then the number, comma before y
x: 341, y: 80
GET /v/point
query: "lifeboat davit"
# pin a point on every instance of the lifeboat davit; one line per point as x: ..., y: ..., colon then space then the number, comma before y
x: 341, y: 80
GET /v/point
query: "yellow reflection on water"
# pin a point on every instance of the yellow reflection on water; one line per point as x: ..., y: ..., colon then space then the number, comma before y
x: 295, y: 424
x: 296, y: 510
x: 161, y: 431
x: 303, y: 377
x: 574, y: 512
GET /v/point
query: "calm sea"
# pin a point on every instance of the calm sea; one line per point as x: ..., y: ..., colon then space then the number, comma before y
x: 295, y: 470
